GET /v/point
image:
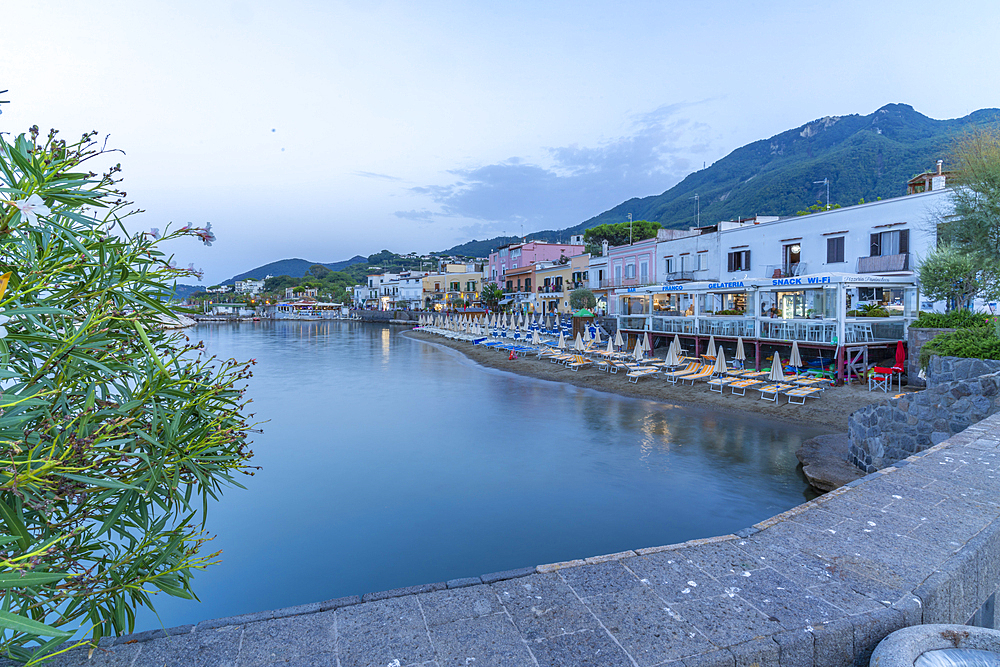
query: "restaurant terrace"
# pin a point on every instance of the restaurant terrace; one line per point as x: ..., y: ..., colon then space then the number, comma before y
x: 840, y: 313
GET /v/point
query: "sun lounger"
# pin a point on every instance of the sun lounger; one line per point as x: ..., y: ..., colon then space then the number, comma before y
x: 818, y: 383
x: 674, y: 376
x: 802, y: 393
x: 743, y: 385
x: 634, y: 376
x: 705, y: 373
x: 718, y: 384
x: 773, y: 390
x: 579, y: 361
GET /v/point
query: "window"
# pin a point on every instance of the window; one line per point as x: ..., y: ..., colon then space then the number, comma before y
x: 585, y: 276
x: 456, y: 287
x: 835, y: 250
x: 527, y: 284
x: 630, y: 270
x: 702, y: 261
x: 644, y: 271
x: 510, y: 285
x: 618, y: 275
x: 890, y: 243
x: 668, y: 265
x: 683, y: 263
x: 739, y: 261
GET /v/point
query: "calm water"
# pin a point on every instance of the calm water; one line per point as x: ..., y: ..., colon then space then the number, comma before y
x: 390, y: 462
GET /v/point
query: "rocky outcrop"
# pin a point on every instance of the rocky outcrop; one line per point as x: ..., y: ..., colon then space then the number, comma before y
x: 824, y: 462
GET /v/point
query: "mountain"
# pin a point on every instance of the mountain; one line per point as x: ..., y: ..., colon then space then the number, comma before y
x: 864, y: 157
x: 295, y: 268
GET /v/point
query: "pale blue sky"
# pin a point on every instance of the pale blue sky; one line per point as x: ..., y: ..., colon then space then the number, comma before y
x: 327, y: 129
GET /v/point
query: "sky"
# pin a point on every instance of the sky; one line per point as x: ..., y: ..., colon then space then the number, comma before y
x: 325, y: 129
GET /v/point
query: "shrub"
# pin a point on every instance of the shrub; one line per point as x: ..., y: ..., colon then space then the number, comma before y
x: 970, y: 342
x: 956, y: 319
x: 114, y: 432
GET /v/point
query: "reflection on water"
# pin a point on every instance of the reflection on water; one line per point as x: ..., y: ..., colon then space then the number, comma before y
x: 389, y: 462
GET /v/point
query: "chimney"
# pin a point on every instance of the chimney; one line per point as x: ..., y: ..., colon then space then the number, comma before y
x: 939, y: 166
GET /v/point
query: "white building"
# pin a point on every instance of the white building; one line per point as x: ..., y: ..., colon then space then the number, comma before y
x: 250, y: 286
x: 404, y: 291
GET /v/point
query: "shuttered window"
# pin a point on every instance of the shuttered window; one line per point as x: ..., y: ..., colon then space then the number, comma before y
x: 835, y: 250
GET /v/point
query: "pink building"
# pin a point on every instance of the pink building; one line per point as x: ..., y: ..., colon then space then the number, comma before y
x: 629, y: 266
x: 519, y: 255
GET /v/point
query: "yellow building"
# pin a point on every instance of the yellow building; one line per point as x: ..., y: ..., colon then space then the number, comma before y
x: 452, y: 289
x: 554, y: 282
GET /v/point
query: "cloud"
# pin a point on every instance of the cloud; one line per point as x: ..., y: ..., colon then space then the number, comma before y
x: 580, y: 182
x: 372, y: 174
x: 421, y: 216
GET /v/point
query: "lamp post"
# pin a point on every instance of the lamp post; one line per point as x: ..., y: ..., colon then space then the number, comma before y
x: 826, y: 182
x: 630, y: 229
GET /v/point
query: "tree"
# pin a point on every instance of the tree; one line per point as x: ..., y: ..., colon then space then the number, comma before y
x: 618, y: 234
x: 319, y: 271
x: 113, y: 431
x: 976, y: 200
x: 582, y: 298
x: 957, y: 276
x: 492, y: 294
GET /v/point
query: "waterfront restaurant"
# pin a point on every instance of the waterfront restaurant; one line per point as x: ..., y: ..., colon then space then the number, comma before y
x: 824, y: 312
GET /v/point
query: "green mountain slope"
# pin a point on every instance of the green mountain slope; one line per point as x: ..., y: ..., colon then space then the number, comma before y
x: 865, y: 157
x: 295, y: 268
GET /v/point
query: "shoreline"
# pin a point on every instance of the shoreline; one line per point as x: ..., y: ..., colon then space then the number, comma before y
x: 830, y: 410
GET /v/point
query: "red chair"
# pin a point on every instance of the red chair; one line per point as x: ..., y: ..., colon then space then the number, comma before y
x: 880, y: 377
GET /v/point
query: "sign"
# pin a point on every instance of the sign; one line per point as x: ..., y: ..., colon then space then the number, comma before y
x: 672, y: 288
x: 810, y: 280
x: 725, y: 285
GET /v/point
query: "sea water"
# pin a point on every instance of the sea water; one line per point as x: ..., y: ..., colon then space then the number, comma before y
x: 388, y: 462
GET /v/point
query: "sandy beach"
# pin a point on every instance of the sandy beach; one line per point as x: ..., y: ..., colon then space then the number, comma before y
x: 829, y: 410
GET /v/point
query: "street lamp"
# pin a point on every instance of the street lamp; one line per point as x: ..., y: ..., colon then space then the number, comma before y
x: 826, y: 182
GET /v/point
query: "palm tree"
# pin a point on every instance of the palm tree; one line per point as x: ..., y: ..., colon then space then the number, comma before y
x: 491, y: 296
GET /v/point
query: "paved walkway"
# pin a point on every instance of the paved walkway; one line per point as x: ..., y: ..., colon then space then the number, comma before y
x: 818, y: 585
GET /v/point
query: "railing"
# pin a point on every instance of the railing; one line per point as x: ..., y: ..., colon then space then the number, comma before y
x: 883, y: 263
x: 727, y: 326
x: 785, y: 270
x: 627, y: 282
x: 815, y: 331
x: 633, y: 323
x: 873, y: 329
x: 683, y: 325
x: 550, y: 289
x: 680, y: 276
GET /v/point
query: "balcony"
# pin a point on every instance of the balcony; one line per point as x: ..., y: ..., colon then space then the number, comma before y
x: 884, y: 263
x: 680, y: 276
x: 613, y: 283
x: 554, y: 290
x: 774, y: 271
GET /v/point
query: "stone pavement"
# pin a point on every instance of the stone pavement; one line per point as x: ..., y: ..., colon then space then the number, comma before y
x: 819, y: 585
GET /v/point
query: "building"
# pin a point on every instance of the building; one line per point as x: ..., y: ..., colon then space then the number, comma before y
x: 452, y: 289
x: 518, y: 255
x: 553, y: 280
x: 405, y: 292
x: 250, y: 287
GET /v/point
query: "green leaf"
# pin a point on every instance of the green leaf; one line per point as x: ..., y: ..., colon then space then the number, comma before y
x: 15, y: 526
x: 103, y: 483
x: 29, y: 579
x: 28, y: 626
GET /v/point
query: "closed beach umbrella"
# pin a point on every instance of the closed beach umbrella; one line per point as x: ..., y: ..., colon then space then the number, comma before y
x: 720, y: 363
x: 677, y: 346
x: 586, y: 334
x: 711, y: 347
x: 619, y: 343
x: 562, y: 341
x: 535, y: 339
x: 672, y: 357
x: 610, y: 349
x: 578, y: 343
x: 637, y: 352
x: 597, y: 335
x: 777, y: 375
x: 740, y: 354
x: 795, y: 359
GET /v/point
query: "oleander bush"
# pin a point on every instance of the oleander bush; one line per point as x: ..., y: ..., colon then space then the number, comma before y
x: 115, y: 434
x: 971, y: 342
x: 955, y: 319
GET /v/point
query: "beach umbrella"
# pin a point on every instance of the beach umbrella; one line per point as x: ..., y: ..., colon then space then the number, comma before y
x: 710, y: 352
x: 740, y: 354
x: 720, y: 363
x: 638, y: 351
x: 795, y: 359
x: 578, y: 343
x: 900, y: 360
x: 672, y: 356
x: 597, y: 335
x: 677, y: 346
x: 619, y: 343
x: 562, y: 341
x: 610, y: 349
x: 535, y: 338
x: 777, y: 375
x: 586, y: 335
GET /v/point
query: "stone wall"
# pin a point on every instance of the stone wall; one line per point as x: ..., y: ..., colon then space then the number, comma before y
x: 386, y: 316
x: 942, y: 370
x: 895, y: 428
x: 916, y: 339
